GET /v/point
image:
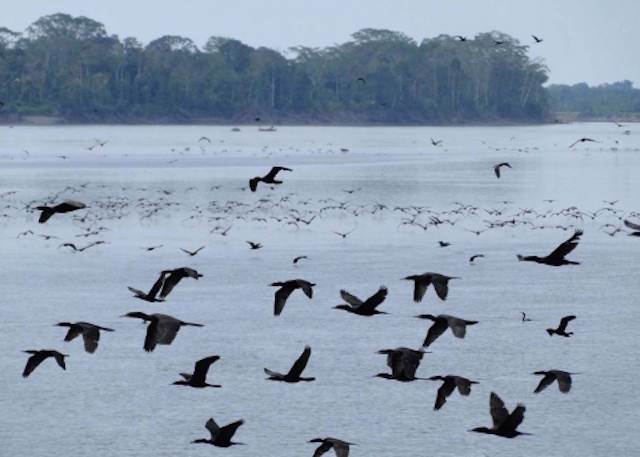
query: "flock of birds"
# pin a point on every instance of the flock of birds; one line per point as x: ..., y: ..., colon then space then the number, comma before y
x: 403, y: 362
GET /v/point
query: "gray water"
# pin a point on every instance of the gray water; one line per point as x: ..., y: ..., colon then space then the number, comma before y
x: 120, y: 401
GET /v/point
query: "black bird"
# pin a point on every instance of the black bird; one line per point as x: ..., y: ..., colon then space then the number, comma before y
x: 524, y: 317
x: 192, y: 253
x: 38, y: 356
x: 83, y: 248
x: 557, y: 257
x: 286, y: 287
x: 199, y: 376
x: 582, y: 140
x: 461, y: 38
x: 254, y: 245
x: 403, y: 363
x: 162, y: 328
x: 151, y: 295
x: 221, y: 436
x: 340, y: 447
x: 440, y: 283
x: 174, y: 278
x: 504, y: 424
x: 561, y: 330
x: 497, y: 43
x: 296, y: 370
x: 496, y: 168
x: 299, y: 258
x: 269, y: 178
x: 64, y: 207
x: 434, y: 142
x: 343, y: 235
x: 440, y: 324
x: 366, y: 308
x: 563, y: 378
x: 538, y: 40
x: 632, y: 226
x: 151, y: 248
x: 450, y: 382
x: 90, y: 333
x: 474, y: 257
x: 444, y: 244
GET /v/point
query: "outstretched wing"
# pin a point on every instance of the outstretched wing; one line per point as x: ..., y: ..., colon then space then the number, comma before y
x: 306, y: 287
x: 545, y: 382
x: 564, y: 322
x: 442, y: 288
x: 564, y: 381
x: 274, y: 171
x: 565, y: 248
x: 631, y: 225
x: 226, y: 433
x: 202, y: 366
x: 420, y: 288
x: 169, y: 283
x: 512, y: 422
x: 300, y: 364
x: 323, y: 448
x: 281, y: 296
x: 498, y: 412
x: 354, y: 301
x: 376, y: 299
x: 444, y: 391
x: 91, y: 337
x: 437, y: 329
x: 213, y: 428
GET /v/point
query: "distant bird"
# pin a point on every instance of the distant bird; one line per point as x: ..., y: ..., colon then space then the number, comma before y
x: 563, y: 378
x: 362, y: 80
x: 440, y: 283
x: 440, y: 324
x: 538, y: 40
x: 434, y: 142
x: 254, y: 245
x: 366, y: 308
x: 151, y: 248
x: 90, y: 333
x: 497, y: 43
x: 192, y: 253
x: 343, y: 235
x: 286, y: 287
x: 269, y: 178
x: 174, y: 278
x: 151, y: 295
x: 341, y: 448
x: 582, y: 140
x: 296, y: 370
x: 204, y: 138
x: 461, y: 38
x: 474, y: 257
x: 633, y: 226
x: 83, y: 248
x: 561, y: 330
x: 38, y: 356
x: 504, y: 424
x: 299, y: 258
x: 444, y: 244
x: 557, y: 257
x: 525, y: 318
x: 221, y: 436
x: 404, y: 363
x: 65, y: 207
x: 496, y: 168
x: 162, y: 328
x: 199, y: 376
x: 450, y: 382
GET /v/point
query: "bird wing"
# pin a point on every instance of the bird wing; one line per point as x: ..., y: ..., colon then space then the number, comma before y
x: 420, y: 288
x: 60, y: 359
x: 437, y: 329
x: 323, y: 448
x: 73, y: 332
x: 354, y: 301
x: 463, y: 385
x: 545, y: 382
x: 514, y: 419
x: 631, y: 225
x: 459, y: 326
x: 281, y: 296
x: 227, y: 432
x: 442, y: 288
x: 565, y: 248
x: 151, y: 339
x: 376, y: 299
x: 573, y: 144
x: 213, y: 428
x: 564, y: 322
x: 157, y: 286
x: 168, y: 329
x: 444, y: 391
x: 33, y: 362
x: 253, y: 183
x: 202, y: 366
x: 300, y: 364
x: 91, y: 337
x: 340, y: 447
x: 564, y: 381
x: 498, y: 412
x: 169, y: 283
x: 306, y: 287
x: 496, y: 169
x: 274, y: 171
x: 273, y: 374
x: 137, y: 292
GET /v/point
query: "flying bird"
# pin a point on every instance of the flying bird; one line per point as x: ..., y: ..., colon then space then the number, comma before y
x: 64, y: 207
x: 582, y: 140
x: 254, y: 245
x: 440, y: 283
x: 151, y: 295
x: 341, y: 448
x: 434, y: 142
x: 450, y: 382
x: 90, y: 333
x: 557, y: 257
x: 269, y: 178
x: 504, y: 424
x: 496, y: 168
x: 403, y: 362
x: 175, y: 276
x: 38, y: 356
x: 286, y: 287
x: 296, y: 370
x: 461, y: 38
x: 363, y: 308
x: 192, y: 253
x: 474, y: 257
x: 538, y: 40
x: 633, y: 226
x: 440, y: 324
x: 299, y: 258
x: 199, y: 377
x: 561, y: 330
x: 162, y: 328
x: 563, y: 378
x: 220, y: 436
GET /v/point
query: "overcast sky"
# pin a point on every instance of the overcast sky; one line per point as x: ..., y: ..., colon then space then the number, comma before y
x: 594, y: 41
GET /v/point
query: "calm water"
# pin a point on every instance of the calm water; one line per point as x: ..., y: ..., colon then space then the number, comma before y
x: 119, y: 401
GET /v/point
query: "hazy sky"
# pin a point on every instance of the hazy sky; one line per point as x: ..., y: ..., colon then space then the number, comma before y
x: 594, y: 41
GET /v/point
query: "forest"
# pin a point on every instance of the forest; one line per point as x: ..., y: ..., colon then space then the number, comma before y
x: 70, y: 67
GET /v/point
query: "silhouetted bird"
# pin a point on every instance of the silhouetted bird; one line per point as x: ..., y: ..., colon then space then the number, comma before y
x: 434, y: 142
x: 582, y: 140
x: 440, y: 324
x: 199, y: 376
x: 444, y: 244
x: 633, y: 226
x: 504, y: 424
x: 162, y: 328
x: 340, y: 447
x: 563, y: 378
x: 450, y: 382
x: 269, y: 178
x: 151, y: 295
x: 538, y: 40
x: 285, y: 290
x: 403, y: 363
x: 64, y: 207
x: 90, y: 333
x: 562, y: 327
x: 557, y: 257
x: 496, y: 168
x: 174, y: 278
x: 440, y: 283
x: 296, y: 370
x: 461, y: 38
x: 254, y: 245
x: 192, y: 253
x: 524, y: 317
x: 299, y: 258
x: 38, y: 356
x: 221, y: 436
x: 474, y: 257
x: 366, y: 308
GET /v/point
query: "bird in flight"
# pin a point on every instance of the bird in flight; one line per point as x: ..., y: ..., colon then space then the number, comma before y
x: 269, y: 178
x: 563, y: 378
x: 343, y: 235
x: 404, y: 363
x: 582, y: 140
x: 162, y: 328
x: 440, y: 324
x: 434, y: 142
x: 285, y: 290
x: 341, y: 448
x: 296, y: 370
x: 504, y: 424
x: 450, y: 382
x: 220, y: 436
x: 538, y: 40
x: 363, y: 308
x: 192, y: 253
x: 474, y: 257
x: 151, y: 295
x: 64, y: 207
x: 461, y: 38
x: 199, y: 376
x: 38, y: 356
x: 299, y: 258
x: 421, y: 283
x: 557, y: 257
x: 633, y: 226
x: 498, y: 43
x: 254, y: 245
x: 175, y: 276
x: 90, y: 333
x: 496, y: 168
x: 561, y: 330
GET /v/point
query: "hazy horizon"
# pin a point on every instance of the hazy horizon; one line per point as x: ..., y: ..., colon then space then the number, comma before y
x: 584, y: 41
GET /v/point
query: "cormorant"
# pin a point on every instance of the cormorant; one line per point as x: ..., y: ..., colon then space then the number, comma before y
x: 366, y: 308
x: 90, y: 333
x: 221, y: 436
x: 340, y: 447
x: 563, y: 378
x: 254, y: 245
x: 557, y: 257
x: 496, y: 168
x: 403, y: 363
x: 448, y: 386
x: 504, y: 424
x: 582, y: 140
x: 192, y: 253
x: 199, y: 376
x: 296, y: 370
x: 562, y: 327
x: 151, y: 296
x: 286, y: 287
x: 538, y: 40
x: 440, y: 283
x: 162, y: 328
x: 269, y: 178
x: 441, y: 322
x: 174, y: 278
x: 38, y: 356
x: 64, y: 207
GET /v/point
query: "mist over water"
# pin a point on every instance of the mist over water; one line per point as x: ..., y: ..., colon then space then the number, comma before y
x: 120, y: 401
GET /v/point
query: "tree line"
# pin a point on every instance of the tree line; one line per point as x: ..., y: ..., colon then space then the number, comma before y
x: 71, y: 67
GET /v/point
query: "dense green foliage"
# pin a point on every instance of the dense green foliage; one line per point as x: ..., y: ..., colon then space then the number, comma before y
x: 70, y: 67
x: 619, y: 100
